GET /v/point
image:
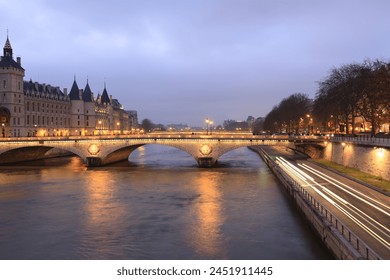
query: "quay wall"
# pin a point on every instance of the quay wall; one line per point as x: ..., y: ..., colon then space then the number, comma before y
x: 336, y: 237
x: 370, y: 159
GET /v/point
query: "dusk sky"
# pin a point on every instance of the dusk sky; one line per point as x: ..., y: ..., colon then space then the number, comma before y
x: 181, y: 61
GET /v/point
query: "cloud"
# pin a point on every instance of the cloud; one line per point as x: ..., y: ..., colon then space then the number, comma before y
x: 234, y: 57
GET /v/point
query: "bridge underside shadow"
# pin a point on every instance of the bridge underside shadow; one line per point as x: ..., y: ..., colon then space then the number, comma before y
x: 31, y: 153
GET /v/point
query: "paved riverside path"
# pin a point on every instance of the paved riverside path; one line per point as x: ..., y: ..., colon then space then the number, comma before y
x: 365, y: 211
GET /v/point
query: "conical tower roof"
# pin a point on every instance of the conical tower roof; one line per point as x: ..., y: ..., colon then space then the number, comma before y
x: 7, y: 45
x: 105, y: 98
x: 87, y: 94
x: 74, y: 92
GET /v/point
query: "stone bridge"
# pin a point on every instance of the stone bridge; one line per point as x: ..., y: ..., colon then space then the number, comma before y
x: 99, y: 151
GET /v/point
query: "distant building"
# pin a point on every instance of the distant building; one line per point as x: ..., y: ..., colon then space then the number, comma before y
x: 178, y: 127
x: 133, y: 120
x: 29, y: 108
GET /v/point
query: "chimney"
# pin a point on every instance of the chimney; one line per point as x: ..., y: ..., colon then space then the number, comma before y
x: 81, y: 94
x: 19, y: 60
x: 65, y: 91
x: 110, y: 97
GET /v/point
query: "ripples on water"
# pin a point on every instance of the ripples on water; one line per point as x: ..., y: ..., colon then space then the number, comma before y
x: 157, y: 206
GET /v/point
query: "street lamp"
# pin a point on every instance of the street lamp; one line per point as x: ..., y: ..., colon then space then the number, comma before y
x: 3, y: 129
x: 207, y: 125
x: 309, y: 121
x: 118, y: 127
x: 100, y: 127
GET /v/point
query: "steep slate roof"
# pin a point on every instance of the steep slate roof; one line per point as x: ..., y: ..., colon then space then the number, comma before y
x: 87, y: 94
x: 7, y: 60
x: 105, y: 98
x: 74, y: 91
x: 37, y: 88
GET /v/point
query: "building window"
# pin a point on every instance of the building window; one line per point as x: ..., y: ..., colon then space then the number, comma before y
x: 4, y: 84
x: 28, y: 106
x: 28, y: 119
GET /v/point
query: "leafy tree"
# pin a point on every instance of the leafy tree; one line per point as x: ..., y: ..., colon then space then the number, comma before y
x: 288, y: 114
x: 147, y: 125
x: 375, y: 102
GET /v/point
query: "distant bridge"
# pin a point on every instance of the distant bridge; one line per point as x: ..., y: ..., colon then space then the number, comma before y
x: 102, y: 150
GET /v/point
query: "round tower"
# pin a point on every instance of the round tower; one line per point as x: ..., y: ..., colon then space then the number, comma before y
x: 12, y: 108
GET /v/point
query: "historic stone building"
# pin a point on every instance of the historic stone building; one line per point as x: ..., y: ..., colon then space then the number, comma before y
x: 29, y: 108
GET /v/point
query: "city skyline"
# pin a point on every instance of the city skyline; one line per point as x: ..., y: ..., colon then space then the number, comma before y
x: 183, y: 61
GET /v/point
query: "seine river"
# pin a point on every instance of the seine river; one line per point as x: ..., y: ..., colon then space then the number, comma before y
x: 157, y: 206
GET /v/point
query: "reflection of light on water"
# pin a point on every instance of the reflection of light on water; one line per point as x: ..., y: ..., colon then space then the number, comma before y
x: 141, y: 151
x: 76, y: 164
x: 138, y: 154
x: 103, y: 215
x: 206, y: 236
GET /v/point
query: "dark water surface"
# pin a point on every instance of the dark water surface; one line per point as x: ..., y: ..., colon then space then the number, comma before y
x: 158, y: 206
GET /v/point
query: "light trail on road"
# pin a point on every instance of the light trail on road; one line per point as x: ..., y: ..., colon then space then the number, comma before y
x: 370, y: 225
x: 340, y: 185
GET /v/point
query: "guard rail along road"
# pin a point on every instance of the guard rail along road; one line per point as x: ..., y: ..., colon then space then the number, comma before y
x: 336, y: 236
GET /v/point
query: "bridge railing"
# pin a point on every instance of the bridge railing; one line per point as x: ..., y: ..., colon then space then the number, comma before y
x: 200, y: 136
x: 363, y: 140
x: 357, y: 243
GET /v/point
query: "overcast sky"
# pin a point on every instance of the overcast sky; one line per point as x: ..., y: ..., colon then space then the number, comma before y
x: 181, y: 61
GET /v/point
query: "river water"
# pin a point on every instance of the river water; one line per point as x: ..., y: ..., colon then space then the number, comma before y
x: 157, y: 206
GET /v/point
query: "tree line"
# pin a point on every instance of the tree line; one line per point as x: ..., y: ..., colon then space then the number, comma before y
x: 351, y: 92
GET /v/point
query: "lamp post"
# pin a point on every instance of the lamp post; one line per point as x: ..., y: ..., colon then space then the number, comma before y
x: 207, y: 125
x: 100, y: 127
x: 118, y: 127
x: 309, y: 123
x: 3, y: 129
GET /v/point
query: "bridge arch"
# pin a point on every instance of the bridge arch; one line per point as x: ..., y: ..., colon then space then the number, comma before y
x: 123, y: 153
